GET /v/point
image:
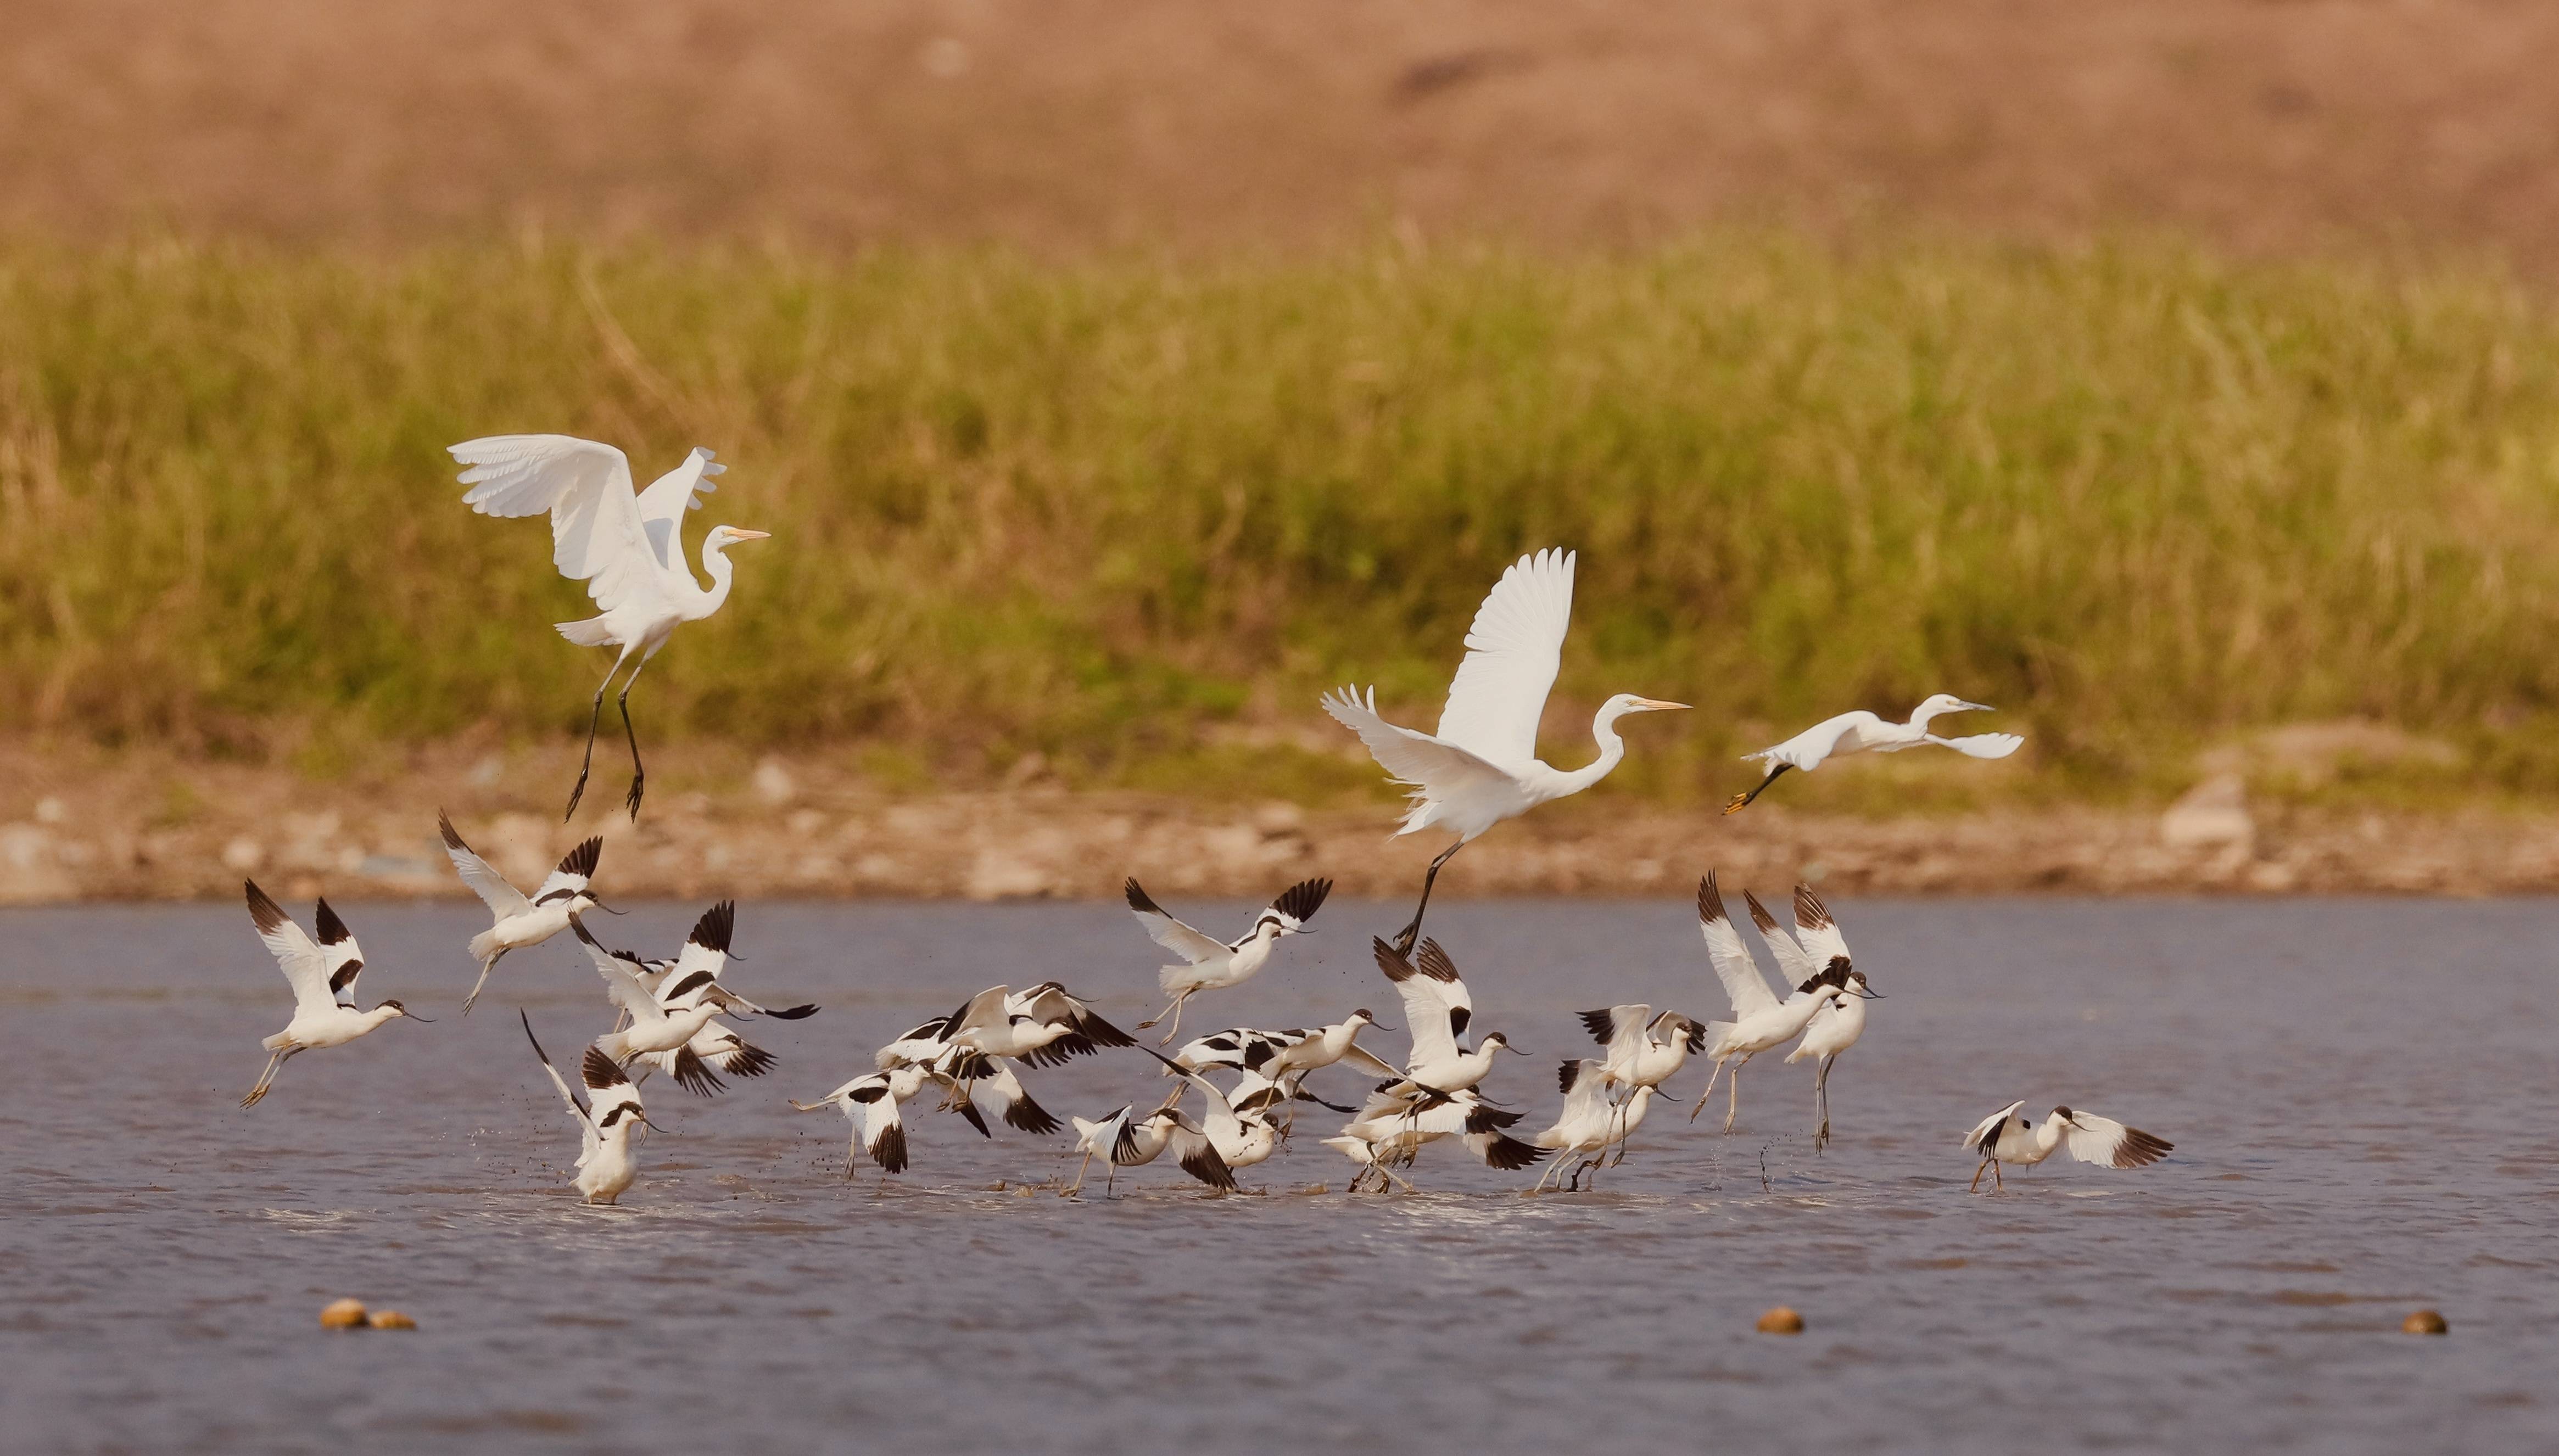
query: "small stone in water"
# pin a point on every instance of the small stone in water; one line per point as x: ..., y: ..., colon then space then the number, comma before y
x: 1781, y: 1321
x: 2424, y: 1322
x: 346, y: 1314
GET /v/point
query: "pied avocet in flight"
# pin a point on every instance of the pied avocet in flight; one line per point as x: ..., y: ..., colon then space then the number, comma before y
x: 1864, y: 732
x: 628, y: 547
x: 2006, y: 1138
x: 1760, y: 1020
x: 687, y: 982
x: 1597, y: 1112
x: 609, y: 1119
x: 1480, y: 766
x: 1642, y: 1049
x: 1394, y: 1126
x: 1839, y: 1021
x: 646, y: 1026
x: 323, y: 975
x: 870, y: 1103
x: 1212, y: 964
x: 1438, y: 1009
x: 520, y: 921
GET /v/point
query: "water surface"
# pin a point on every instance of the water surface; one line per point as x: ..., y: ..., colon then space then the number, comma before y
x: 2358, y: 1092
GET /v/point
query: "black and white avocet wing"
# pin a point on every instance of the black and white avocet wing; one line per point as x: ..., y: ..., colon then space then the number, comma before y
x: 1198, y: 1156
x: 302, y: 961
x: 2110, y: 1144
x: 1988, y: 1126
x: 1436, y: 1005
x: 1618, y: 1028
x: 1745, y: 985
x: 574, y: 872
x: 339, y: 952
x: 1795, y: 964
x: 502, y: 898
x: 1051, y: 1002
x: 1820, y: 934
x: 1297, y: 904
x: 626, y: 976
x: 1194, y: 946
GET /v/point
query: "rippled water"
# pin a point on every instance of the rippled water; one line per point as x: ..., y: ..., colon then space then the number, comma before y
x: 2360, y: 1092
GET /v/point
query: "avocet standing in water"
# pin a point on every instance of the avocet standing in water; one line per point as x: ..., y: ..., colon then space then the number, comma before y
x: 518, y: 920
x: 1481, y: 765
x: 323, y: 976
x: 1864, y: 732
x: 2005, y: 1138
x: 1760, y: 1021
x: 1212, y: 964
x: 1840, y: 1021
x: 609, y: 1120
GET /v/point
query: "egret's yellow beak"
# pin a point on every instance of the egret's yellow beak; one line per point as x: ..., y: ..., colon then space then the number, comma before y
x: 743, y: 534
x: 1656, y: 705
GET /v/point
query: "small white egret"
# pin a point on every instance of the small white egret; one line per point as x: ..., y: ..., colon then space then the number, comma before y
x: 1438, y: 1009
x: 323, y: 976
x: 609, y: 1120
x: 518, y: 921
x: 1481, y: 765
x: 2006, y: 1138
x: 1211, y: 965
x: 1840, y: 1021
x: 628, y: 547
x: 1760, y: 1021
x: 1864, y: 732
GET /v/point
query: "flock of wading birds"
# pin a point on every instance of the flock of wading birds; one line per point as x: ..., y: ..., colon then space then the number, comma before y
x: 1478, y: 768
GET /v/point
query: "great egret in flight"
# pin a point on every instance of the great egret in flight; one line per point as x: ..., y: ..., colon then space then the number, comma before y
x: 1481, y: 765
x: 1864, y: 732
x: 627, y: 547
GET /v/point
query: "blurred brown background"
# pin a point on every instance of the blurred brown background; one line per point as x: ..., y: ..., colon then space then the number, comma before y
x: 1068, y: 123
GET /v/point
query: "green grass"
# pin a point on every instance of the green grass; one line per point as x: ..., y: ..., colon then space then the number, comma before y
x: 1117, y: 511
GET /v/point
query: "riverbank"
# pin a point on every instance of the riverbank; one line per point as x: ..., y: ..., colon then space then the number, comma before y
x: 88, y: 825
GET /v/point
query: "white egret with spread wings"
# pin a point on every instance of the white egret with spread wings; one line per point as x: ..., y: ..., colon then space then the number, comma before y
x: 1481, y: 765
x: 1864, y: 732
x: 627, y: 546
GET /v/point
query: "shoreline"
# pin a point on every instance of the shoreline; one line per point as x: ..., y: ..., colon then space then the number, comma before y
x: 86, y: 825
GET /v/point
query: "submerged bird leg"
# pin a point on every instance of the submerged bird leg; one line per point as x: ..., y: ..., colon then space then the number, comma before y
x: 1080, y: 1171
x: 1405, y: 938
x: 1822, y: 1102
x: 1976, y: 1185
x: 1742, y: 800
x: 1999, y: 1176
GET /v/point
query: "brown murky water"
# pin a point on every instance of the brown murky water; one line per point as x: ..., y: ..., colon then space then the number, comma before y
x: 2358, y: 1092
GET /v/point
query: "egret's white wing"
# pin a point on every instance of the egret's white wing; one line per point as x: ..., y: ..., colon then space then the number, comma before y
x: 503, y: 898
x: 1512, y: 653
x: 1981, y: 745
x: 1171, y: 933
x: 572, y: 874
x: 340, y: 956
x: 1744, y: 984
x: 664, y: 504
x: 2110, y: 1144
x: 626, y: 979
x: 597, y: 536
x: 1436, y: 1007
x: 1806, y: 750
x: 1441, y: 769
x: 300, y: 959
x: 1988, y: 1126
x: 1824, y: 946
x: 1795, y: 964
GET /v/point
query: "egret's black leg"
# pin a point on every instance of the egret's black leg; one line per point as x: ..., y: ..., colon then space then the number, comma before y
x: 639, y: 775
x: 1404, y: 939
x: 1742, y: 801
x: 584, y: 768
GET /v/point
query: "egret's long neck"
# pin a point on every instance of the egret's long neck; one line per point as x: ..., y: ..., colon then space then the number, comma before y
x: 1612, y: 749
x: 715, y: 561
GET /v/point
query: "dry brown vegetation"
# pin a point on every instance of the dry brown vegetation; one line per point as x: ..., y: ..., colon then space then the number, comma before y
x: 1071, y: 122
